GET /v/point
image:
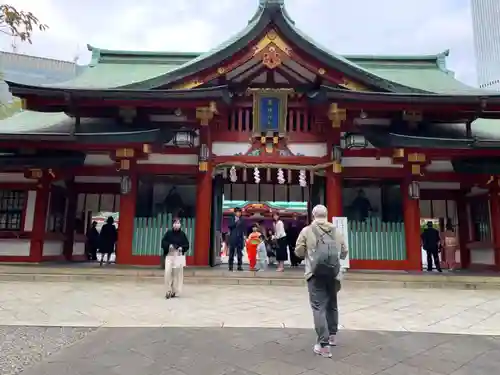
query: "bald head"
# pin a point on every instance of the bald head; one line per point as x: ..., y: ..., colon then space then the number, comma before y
x: 320, y: 212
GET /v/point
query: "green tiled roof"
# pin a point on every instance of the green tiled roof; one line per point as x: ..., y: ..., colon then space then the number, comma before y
x: 26, y: 122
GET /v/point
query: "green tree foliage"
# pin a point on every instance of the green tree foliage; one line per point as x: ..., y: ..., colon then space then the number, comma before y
x: 18, y: 23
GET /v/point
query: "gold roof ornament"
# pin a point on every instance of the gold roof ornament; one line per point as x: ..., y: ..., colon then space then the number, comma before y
x: 336, y: 115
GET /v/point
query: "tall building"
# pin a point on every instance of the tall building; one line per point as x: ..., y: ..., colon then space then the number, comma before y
x: 25, y: 69
x: 486, y: 26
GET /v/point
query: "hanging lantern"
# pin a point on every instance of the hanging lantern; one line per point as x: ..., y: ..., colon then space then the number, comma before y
x: 256, y: 175
x: 281, y: 176
x: 232, y: 174
x: 414, y: 190
x: 302, y: 178
x: 244, y: 176
x: 224, y: 173
x: 290, y: 176
x: 184, y: 138
x: 125, y: 185
x: 354, y: 140
x: 268, y: 174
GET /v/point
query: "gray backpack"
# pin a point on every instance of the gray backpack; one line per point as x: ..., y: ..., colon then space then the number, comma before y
x: 325, y: 258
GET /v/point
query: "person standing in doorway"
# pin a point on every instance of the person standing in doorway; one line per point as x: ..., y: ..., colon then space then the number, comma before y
x: 237, y: 230
x: 450, y: 244
x: 92, y: 244
x: 430, y: 242
x: 292, y: 233
x: 107, y: 240
x: 282, y: 244
x: 175, y: 245
x: 322, y: 246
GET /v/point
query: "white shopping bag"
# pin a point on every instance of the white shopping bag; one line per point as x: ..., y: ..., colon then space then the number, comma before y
x: 179, y: 261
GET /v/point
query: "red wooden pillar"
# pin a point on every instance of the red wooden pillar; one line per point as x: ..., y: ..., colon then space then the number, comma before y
x: 39, y: 221
x: 203, y: 218
x: 495, y: 222
x: 463, y: 231
x: 126, y: 225
x: 411, y: 215
x: 334, y: 194
x: 203, y: 205
x: 70, y: 221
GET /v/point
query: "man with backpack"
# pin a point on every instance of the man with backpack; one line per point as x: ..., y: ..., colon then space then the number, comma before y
x: 322, y: 246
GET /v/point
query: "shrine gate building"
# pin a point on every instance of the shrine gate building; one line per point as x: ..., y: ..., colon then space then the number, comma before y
x: 269, y: 116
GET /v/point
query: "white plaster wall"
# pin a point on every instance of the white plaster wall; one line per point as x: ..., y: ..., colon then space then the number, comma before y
x: 14, y: 247
x: 440, y: 166
x: 53, y: 247
x: 30, y: 211
x: 98, y: 179
x: 440, y: 185
x: 98, y: 159
x: 190, y: 159
x: 482, y: 256
x: 308, y: 149
x: 79, y: 248
x: 369, y: 162
x: 230, y: 148
x: 14, y: 177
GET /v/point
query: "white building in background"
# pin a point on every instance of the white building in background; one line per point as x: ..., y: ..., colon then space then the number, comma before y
x: 486, y: 27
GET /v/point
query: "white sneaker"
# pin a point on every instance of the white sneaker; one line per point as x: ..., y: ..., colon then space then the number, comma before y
x: 332, y: 340
x: 323, y: 351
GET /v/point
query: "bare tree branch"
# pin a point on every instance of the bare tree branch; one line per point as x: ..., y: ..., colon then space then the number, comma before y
x: 18, y: 23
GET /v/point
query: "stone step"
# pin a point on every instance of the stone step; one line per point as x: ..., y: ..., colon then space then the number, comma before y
x: 224, y: 277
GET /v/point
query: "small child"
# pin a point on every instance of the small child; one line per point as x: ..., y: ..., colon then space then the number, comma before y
x: 262, y: 254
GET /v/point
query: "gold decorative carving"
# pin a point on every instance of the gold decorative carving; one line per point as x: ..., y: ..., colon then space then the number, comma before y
x: 271, y: 58
x: 416, y: 157
x: 205, y: 115
x: 336, y: 115
x: 147, y: 149
x: 353, y: 86
x: 416, y: 169
x: 321, y: 71
x: 124, y: 165
x: 203, y: 166
x: 188, y: 85
x: 398, y: 153
x: 221, y: 70
x: 337, y: 167
x: 125, y: 153
x: 275, y: 140
x: 35, y: 174
x: 272, y: 37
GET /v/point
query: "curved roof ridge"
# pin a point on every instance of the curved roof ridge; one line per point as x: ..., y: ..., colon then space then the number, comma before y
x: 98, y: 54
x: 430, y: 57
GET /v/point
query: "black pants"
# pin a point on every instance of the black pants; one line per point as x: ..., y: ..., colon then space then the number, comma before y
x: 238, y: 251
x: 433, y: 255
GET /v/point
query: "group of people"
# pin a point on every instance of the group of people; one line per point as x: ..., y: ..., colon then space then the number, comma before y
x: 263, y: 246
x: 435, y: 242
x: 101, y: 241
x: 319, y: 244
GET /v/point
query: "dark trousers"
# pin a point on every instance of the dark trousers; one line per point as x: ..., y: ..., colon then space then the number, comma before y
x: 433, y: 256
x: 323, y: 300
x: 238, y: 251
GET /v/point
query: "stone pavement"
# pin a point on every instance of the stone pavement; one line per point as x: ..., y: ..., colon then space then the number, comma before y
x: 128, y: 328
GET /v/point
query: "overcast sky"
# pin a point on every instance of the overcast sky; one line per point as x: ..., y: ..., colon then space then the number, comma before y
x: 344, y: 26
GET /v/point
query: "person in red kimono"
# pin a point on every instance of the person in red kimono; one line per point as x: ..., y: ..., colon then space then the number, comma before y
x: 253, y: 241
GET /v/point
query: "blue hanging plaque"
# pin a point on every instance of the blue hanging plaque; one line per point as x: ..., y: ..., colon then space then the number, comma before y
x: 269, y: 114
x: 269, y: 111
